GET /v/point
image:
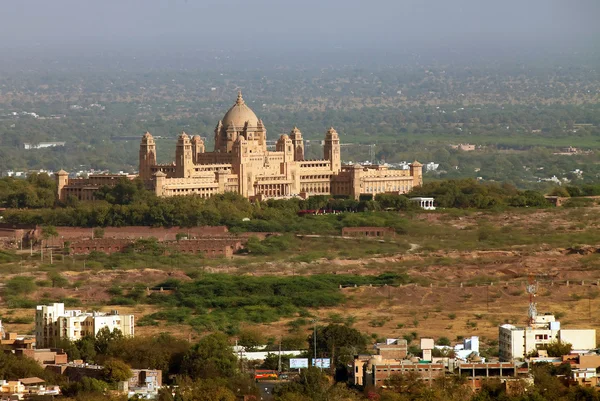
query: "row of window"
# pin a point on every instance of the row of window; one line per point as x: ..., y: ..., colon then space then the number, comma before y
x: 394, y: 188
x: 315, y: 177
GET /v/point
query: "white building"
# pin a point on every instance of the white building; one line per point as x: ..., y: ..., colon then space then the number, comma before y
x: 516, y: 342
x: 425, y: 203
x: 53, y: 323
x: 431, y: 166
x: 43, y: 145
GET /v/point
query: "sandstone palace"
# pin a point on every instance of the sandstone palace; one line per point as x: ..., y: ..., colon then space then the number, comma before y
x: 241, y: 163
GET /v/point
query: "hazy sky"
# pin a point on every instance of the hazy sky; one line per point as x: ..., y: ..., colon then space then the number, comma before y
x: 273, y: 24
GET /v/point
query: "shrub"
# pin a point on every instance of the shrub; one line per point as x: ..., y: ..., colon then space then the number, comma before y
x: 146, y: 321
x: 443, y: 341
x: 19, y: 285
x: 20, y: 303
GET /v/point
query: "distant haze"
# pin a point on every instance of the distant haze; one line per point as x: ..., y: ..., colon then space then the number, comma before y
x: 288, y: 26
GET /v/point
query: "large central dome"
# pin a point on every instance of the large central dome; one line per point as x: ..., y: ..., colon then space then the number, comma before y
x: 239, y: 114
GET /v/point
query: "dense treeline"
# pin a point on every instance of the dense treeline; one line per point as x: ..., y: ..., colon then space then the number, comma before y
x: 469, y: 193
x: 128, y: 203
x: 37, y: 191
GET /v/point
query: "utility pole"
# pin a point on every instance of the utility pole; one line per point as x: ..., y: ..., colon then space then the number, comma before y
x: 315, y: 341
x: 279, y: 363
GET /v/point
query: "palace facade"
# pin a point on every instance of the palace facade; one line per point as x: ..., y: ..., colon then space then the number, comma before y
x: 242, y: 163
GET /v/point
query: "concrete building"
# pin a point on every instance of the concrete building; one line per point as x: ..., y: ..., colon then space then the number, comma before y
x: 477, y: 373
x: 516, y: 342
x: 393, y: 348
x: 12, y: 341
x: 585, y: 377
x: 377, y: 370
x: 44, y: 356
x: 53, y: 323
x: 241, y: 163
x: 26, y: 388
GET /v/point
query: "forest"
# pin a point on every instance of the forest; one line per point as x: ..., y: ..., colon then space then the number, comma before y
x: 403, y: 112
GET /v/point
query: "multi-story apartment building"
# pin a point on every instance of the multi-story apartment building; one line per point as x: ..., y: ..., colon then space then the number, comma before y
x: 516, y: 342
x: 54, y: 323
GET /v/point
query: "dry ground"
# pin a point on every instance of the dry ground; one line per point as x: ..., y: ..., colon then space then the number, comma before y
x: 437, y: 306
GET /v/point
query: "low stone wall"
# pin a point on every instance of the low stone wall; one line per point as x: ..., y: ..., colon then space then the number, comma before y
x: 137, y: 232
x: 210, y: 248
x: 368, y: 232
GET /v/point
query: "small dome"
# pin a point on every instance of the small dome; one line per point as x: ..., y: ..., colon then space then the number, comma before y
x: 183, y: 136
x: 239, y: 114
x: 147, y: 135
x: 197, y: 138
x: 416, y: 164
x: 61, y: 172
x: 284, y: 137
x: 160, y: 174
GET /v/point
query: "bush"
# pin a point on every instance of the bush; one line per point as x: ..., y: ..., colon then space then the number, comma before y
x: 146, y: 321
x: 579, y: 202
x: 20, y: 303
x: 19, y: 285
x: 443, y: 341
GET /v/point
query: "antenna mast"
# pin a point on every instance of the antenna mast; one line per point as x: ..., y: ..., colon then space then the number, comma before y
x: 531, y: 289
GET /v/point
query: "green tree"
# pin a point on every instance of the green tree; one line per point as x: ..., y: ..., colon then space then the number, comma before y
x: 163, y: 352
x: 87, y: 348
x: 211, y: 357
x: 334, y: 338
x: 557, y: 348
x: 49, y: 232
x: 104, y: 338
x: 312, y: 383
x: 14, y: 368
x: 115, y: 370
x: 58, y: 280
x: 250, y: 339
x: 85, y: 388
